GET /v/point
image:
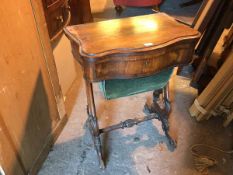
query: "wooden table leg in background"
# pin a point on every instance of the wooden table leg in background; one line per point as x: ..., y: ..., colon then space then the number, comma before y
x: 92, y: 122
x: 80, y: 12
x: 189, y: 3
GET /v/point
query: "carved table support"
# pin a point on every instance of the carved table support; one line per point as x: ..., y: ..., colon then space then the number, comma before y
x: 161, y: 113
x: 93, y: 123
x: 129, y: 123
x: 154, y: 111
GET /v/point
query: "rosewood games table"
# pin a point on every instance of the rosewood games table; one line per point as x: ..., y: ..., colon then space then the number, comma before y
x: 129, y: 48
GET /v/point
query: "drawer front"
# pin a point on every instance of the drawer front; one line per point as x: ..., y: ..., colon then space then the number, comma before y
x: 139, y: 64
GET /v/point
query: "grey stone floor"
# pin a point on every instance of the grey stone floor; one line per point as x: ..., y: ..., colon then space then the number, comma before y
x: 140, y: 150
x: 143, y: 149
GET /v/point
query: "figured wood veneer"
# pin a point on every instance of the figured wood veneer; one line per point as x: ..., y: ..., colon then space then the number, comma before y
x: 131, y: 47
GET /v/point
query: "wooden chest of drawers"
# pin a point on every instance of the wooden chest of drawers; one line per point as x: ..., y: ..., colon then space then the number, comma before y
x: 57, y: 14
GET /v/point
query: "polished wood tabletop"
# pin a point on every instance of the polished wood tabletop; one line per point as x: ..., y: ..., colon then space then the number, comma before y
x: 128, y: 34
x: 131, y: 47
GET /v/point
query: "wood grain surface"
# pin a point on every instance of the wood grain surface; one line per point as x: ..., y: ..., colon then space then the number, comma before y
x: 145, y: 32
x: 131, y: 47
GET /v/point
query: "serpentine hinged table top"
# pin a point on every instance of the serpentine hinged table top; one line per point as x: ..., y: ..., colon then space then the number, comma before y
x: 128, y: 48
x: 129, y: 34
x: 131, y: 47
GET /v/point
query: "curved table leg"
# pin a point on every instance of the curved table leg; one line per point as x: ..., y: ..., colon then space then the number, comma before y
x: 162, y: 113
x: 93, y: 123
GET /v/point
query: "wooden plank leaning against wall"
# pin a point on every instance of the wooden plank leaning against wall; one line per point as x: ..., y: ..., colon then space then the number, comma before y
x: 31, y: 105
x: 216, y: 99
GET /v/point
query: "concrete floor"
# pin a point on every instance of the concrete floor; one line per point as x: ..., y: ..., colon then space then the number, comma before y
x: 142, y: 149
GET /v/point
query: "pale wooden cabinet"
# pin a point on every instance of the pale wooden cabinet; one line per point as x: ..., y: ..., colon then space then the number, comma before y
x: 31, y: 112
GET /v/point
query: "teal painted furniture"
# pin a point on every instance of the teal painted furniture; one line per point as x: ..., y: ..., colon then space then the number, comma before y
x: 124, y: 87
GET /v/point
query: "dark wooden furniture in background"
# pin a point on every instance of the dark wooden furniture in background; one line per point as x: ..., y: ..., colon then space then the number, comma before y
x: 60, y: 13
x: 57, y: 15
x: 129, y: 48
x: 219, y: 16
x: 80, y: 12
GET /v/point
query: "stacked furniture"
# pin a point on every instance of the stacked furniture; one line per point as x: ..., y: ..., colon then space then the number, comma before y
x: 217, y: 98
x: 212, y: 19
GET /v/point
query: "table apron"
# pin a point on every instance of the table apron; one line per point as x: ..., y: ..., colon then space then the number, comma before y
x: 123, y: 66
